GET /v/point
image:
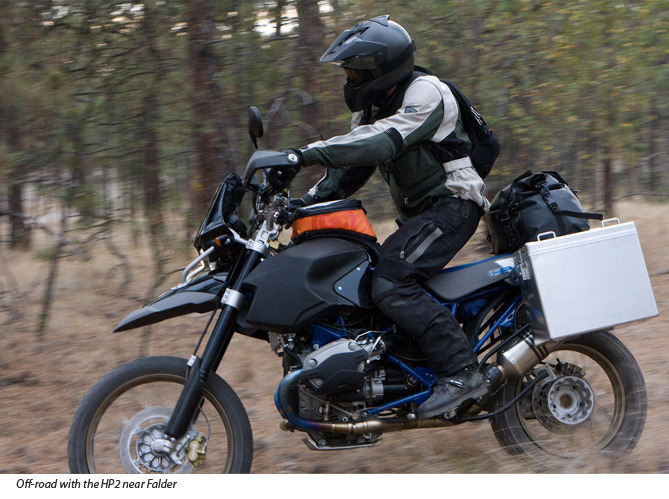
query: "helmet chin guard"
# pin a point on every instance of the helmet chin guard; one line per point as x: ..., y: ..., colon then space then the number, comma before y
x: 379, y: 48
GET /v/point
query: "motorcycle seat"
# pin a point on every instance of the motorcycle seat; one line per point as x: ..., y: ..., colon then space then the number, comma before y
x: 454, y: 283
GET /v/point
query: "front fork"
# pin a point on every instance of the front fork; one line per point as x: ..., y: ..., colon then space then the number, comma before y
x: 198, y: 373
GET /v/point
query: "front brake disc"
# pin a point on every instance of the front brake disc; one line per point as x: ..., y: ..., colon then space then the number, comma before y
x: 143, y: 448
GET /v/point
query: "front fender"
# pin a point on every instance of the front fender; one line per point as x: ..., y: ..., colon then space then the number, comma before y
x: 200, y: 296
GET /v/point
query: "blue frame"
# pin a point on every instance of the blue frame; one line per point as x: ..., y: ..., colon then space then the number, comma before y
x: 507, y: 319
x: 322, y: 335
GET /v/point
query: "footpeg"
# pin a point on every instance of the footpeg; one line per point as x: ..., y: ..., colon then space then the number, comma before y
x: 450, y: 414
x: 493, y: 376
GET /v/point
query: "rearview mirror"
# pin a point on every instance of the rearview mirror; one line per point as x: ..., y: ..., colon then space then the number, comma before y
x: 255, y: 125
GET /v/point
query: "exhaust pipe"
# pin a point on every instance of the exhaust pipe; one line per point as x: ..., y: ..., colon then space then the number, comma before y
x: 512, y: 362
x: 295, y: 422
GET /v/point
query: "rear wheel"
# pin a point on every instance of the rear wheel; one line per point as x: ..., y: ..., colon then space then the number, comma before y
x: 594, y: 403
x: 119, y: 425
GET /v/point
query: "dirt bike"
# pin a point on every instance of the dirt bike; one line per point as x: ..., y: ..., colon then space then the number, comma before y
x: 350, y: 375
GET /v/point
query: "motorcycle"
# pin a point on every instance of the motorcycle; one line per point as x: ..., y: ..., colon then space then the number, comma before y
x: 350, y: 375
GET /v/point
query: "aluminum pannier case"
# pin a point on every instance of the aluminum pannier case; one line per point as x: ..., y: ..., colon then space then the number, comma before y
x: 584, y: 282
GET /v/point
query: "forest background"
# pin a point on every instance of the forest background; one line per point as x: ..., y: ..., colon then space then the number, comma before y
x: 120, y: 113
x: 118, y: 121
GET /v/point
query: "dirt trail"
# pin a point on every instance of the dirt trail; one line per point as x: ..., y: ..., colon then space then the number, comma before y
x: 41, y: 384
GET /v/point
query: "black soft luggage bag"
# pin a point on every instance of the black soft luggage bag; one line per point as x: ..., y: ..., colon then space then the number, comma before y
x: 531, y: 205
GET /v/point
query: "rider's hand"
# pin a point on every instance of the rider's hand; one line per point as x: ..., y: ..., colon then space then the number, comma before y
x: 298, y: 154
x: 296, y: 203
x: 280, y: 178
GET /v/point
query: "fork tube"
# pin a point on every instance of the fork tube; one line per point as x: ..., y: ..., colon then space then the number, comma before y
x: 190, y: 397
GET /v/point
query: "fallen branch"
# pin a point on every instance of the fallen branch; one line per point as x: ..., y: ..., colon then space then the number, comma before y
x: 48, y: 293
x: 641, y: 194
x: 599, y: 208
x: 23, y: 378
x: 124, y: 263
x: 62, y: 240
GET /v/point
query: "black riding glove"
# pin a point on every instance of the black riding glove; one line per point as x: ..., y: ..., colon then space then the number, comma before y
x: 296, y: 203
x: 280, y: 178
x: 298, y: 153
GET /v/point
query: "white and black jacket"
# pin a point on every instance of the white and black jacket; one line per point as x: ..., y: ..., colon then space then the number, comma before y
x: 417, y: 142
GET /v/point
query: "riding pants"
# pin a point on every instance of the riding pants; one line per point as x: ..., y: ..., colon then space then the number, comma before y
x: 417, y: 251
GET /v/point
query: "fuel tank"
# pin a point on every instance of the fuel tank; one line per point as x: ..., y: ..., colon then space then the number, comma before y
x: 308, y: 282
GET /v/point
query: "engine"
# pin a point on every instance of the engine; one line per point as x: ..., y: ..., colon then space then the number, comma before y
x: 343, y: 377
x: 337, y: 367
x: 340, y: 380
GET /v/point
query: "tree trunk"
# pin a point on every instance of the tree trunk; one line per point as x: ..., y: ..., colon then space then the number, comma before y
x: 149, y: 127
x: 654, y: 179
x: 48, y: 292
x: 152, y: 190
x: 153, y: 209
x: 151, y: 179
x: 278, y: 21
x: 20, y: 232
x: 50, y: 285
x: 608, y: 183
x: 80, y: 194
x: 215, y: 147
x: 310, y: 50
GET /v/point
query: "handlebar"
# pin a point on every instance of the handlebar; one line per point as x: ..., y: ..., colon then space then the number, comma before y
x: 264, y: 159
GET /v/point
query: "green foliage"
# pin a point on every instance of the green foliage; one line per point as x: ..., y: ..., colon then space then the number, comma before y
x: 563, y: 83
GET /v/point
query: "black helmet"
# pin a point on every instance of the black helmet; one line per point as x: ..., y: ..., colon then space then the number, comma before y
x: 377, y: 55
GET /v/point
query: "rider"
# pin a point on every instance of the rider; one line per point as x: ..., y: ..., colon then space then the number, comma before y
x: 409, y: 128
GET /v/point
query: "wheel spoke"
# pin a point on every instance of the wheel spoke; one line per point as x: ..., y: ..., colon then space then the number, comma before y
x: 122, y: 426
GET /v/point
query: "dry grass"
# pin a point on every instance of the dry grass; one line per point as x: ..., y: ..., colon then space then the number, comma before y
x: 42, y: 383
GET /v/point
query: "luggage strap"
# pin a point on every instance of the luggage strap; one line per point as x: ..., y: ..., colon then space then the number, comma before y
x: 559, y: 213
x: 505, y: 218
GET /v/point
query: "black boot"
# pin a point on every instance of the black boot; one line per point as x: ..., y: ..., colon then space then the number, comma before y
x: 451, y: 392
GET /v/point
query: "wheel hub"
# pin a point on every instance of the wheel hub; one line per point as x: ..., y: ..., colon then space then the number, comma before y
x: 143, y: 446
x: 161, y: 446
x: 153, y: 451
x: 567, y: 400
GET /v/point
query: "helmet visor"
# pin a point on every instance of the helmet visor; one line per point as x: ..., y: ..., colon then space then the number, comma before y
x: 357, y: 77
x: 360, y: 62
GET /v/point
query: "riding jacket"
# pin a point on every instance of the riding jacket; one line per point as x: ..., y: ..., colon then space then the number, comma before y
x: 417, y: 142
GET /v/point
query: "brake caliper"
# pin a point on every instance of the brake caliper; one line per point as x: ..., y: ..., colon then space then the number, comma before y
x: 197, y: 450
x: 567, y: 369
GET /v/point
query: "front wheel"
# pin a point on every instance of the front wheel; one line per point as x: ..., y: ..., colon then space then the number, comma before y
x: 594, y: 403
x: 119, y: 425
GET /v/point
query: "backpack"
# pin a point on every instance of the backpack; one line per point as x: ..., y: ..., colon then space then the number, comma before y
x: 531, y: 205
x: 485, y: 145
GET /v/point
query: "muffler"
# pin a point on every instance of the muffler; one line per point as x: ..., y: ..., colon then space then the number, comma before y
x: 516, y: 360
